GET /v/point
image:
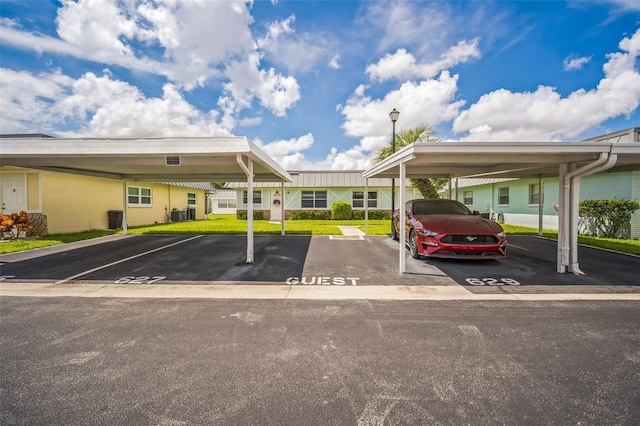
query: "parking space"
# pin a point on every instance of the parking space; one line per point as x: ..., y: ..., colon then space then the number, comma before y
x: 532, y: 260
x: 303, y: 260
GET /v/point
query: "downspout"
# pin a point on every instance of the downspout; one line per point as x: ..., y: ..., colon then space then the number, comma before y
x: 248, y: 170
x: 575, y: 206
x: 571, y: 184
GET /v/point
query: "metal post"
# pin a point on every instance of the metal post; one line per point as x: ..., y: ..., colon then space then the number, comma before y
x: 393, y: 115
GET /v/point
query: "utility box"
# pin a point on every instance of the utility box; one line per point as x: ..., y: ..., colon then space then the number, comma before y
x: 191, y: 213
x: 115, y: 219
x: 177, y: 216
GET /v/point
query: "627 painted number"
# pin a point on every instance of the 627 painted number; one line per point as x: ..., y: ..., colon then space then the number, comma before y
x: 138, y: 280
x: 492, y: 281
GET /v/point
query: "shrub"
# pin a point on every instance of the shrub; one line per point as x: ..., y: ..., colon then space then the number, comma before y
x: 257, y: 215
x: 606, y: 217
x: 373, y: 215
x: 341, y: 210
x: 14, y: 225
x: 310, y: 215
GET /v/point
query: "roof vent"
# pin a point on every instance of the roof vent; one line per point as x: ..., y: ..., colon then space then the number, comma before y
x: 173, y: 160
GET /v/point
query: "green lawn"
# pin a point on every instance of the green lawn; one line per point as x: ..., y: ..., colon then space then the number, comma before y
x: 228, y: 224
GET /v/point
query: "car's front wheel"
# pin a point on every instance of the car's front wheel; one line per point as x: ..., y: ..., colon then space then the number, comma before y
x: 413, y: 245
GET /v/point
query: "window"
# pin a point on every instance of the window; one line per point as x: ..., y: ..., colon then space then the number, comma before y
x: 227, y: 204
x: 534, y: 193
x: 191, y: 199
x: 314, y: 200
x: 357, y: 199
x: 257, y: 197
x: 468, y: 198
x: 139, y: 196
x: 503, y: 196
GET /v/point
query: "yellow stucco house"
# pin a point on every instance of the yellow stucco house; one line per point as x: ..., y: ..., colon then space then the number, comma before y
x: 61, y: 202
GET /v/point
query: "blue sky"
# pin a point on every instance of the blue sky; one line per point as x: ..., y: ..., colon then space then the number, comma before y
x: 313, y: 82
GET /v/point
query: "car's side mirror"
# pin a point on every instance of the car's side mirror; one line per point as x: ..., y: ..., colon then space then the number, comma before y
x: 476, y: 212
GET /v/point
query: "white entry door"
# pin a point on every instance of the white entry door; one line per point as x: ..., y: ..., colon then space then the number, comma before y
x: 276, y: 207
x: 14, y: 194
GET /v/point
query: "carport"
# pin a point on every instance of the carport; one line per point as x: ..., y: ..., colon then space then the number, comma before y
x: 188, y: 159
x: 570, y: 161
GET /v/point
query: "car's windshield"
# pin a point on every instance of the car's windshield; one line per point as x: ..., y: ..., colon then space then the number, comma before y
x: 439, y: 207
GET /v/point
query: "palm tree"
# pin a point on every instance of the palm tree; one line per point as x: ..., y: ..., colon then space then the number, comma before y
x: 428, y: 187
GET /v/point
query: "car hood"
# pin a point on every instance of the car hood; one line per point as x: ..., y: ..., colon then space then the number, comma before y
x: 459, y: 224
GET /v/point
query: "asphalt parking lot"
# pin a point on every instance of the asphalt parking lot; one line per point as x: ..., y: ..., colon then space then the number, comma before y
x: 304, y: 260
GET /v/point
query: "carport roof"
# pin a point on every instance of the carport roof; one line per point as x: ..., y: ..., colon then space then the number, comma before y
x: 500, y: 159
x: 176, y: 159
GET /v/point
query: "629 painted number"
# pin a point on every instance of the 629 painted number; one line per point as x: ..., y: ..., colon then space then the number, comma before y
x: 492, y: 281
x: 138, y: 280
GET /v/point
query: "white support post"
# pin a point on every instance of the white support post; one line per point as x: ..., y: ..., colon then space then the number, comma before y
x: 282, y: 209
x: 457, y: 198
x: 366, y: 207
x: 248, y: 170
x: 403, y: 217
x: 125, y: 200
x: 250, y: 212
x: 540, y: 204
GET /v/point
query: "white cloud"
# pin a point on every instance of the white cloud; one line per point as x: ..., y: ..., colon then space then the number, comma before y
x: 110, y: 108
x: 576, y: 63
x: 188, y: 42
x: 424, y: 25
x: 334, y: 63
x: 403, y: 65
x: 27, y: 100
x: 429, y: 101
x: 544, y: 115
x: 288, y: 153
x: 283, y: 46
x: 274, y: 91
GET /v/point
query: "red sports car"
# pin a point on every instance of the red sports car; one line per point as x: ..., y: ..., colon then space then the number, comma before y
x: 446, y: 228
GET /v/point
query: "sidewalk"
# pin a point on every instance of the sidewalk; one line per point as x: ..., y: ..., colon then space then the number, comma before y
x: 290, y: 292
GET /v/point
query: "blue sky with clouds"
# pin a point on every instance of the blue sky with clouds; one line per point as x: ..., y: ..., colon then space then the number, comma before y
x: 313, y: 82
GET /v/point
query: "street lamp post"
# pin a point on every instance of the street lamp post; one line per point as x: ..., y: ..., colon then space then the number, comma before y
x: 393, y: 115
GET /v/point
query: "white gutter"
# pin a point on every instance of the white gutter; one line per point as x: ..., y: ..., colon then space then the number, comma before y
x: 248, y: 170
x: 568, y: 237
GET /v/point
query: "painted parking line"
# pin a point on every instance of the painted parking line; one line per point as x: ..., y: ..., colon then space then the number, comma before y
x: 89, y: 271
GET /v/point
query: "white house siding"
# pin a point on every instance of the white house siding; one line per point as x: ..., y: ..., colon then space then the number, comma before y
x: 622, y: 185
x: 224, y: 201
x: 339, y: 185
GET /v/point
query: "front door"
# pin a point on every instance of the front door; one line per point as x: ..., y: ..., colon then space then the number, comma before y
x: 276, y: 207
x: 14, y: 197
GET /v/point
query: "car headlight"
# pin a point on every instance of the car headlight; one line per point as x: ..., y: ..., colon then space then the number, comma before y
x: 427, y: 233
x: 500, y: 234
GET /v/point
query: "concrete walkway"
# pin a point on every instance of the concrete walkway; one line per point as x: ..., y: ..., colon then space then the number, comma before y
x: 351, y: 231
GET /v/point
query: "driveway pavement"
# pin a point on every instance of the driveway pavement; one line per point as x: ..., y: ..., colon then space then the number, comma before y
x: 341, y: 267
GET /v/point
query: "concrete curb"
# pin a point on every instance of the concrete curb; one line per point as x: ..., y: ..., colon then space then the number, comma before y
x: 284, y: 292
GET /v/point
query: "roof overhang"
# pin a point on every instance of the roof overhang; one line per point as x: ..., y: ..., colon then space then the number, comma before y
x: 500, y: 159
x: 201, y: 159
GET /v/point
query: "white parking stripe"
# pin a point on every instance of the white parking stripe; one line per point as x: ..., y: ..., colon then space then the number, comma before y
x: 126, y: 259
x: 515, y: 246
